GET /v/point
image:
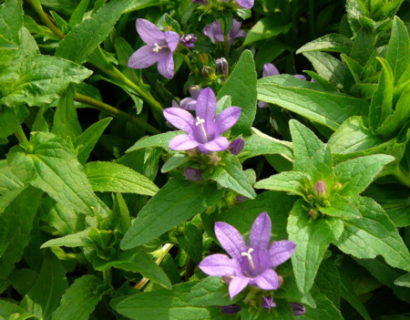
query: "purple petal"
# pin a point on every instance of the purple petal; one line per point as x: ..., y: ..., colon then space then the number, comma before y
x: 219, y: 265
x: 268, y: 303
x: 280, y: 251
x: 148, y: 31
x: 206, y: 106
x: 143, y: 58
x: 269, y: 69
x: 218, y: 144
x: 166, y: 66
x: 194, y: 91
x: 262, y: 104
x: 297, y: 308
x: 230, y: 239
x: 300, y: 76
x: 268, y: 280
x: 261, y: 232
x: 235, y: 31
x: 226, y: 119
x: 245, y: 3
x: 180, y: 119
x: 188, y: 104
x: 172, y: 39
x: 214, y: 32
x: 236, y: 285
x: 182, y: 142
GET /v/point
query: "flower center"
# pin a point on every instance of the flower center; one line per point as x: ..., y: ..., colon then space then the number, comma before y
x: 157, y: 48
x: 248, y: 255
x: 202, y: 132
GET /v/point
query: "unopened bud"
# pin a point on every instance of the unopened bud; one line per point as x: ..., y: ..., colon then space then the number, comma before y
x: 236, y: 146
x: 268, y: 303
x: 297, y: 308
x: 232, y: 309
x: 206, y: 71
x: 188, y: 40
x: 193, y: 174
x: 222, y: 67
x: 320, y: 188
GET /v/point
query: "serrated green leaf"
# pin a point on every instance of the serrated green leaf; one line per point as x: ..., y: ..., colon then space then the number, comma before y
x: 50, y: 164
x: 87, y: 140
x: 327, y: 66
x: 312, y: 238
x: 373, y: 234
x: 340, y: 207
x: 333, y: 42
x: 159, y: 140
x: 355, y: 175
x: 398, y: 49
x: 307, y: 99
x: 328, y: 281
x: 241, y: 86
x: 114, y: 177
x: 265, y: 28
x: 288, y: 181
x: 79, y: 301
x: 84, y: 38
x: 174, y: 162
x: 174, y: 203
x: 325, y: 309
x: 40, y: 79
x: 11, y: 21
x: 186, y: 301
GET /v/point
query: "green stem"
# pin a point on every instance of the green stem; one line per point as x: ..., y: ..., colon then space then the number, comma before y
x: 115, y: 112
x: 107, y: 276
x: 21, y: 136
x: 402, y: 177
x: 45, y: 18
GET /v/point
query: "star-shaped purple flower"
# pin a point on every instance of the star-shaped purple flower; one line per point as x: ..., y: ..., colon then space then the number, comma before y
x: 159, y: 49
x: 214, y: 32
x: 242, y: 3
x: 248, y: 265
x: 205, y: 130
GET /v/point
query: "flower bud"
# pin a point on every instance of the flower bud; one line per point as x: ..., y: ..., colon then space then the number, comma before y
x: 188, y: 40
x: 297, y: 308
x: 222, y: 67
x: 236, y: 146
x: 320, y: 188
x: 268, y: 303
x: 232, y: 309
x: 193, y: 174
x: 206, y: 71
x: 203, y: 2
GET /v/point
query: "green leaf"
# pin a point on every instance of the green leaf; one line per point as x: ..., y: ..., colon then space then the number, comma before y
x: 45, y: 295
x: 398, y: 49
x: 48, y: 163
x: 325, y: 309
x: 382, y: 100
x: 191, y: 241
x: 312, y: 238
x: 241, y: 86
x: 288, y: 181
x: 39, y: 80
x: 7, y: 309
x: 374, y: 234
x: 159, y: 140
x: 16, y: 223
x: 403, y: 281
x: 328, y: 281
x: 78, y: 13
x: 114, y: 177
x: 8, y: 180
x: 333, y: 42
x: 265, y: 28
x: 312, y: 156
x: 340, y: 207
x: 355, y: 175
x: 229, y: 174
x: 79, y: 301
x: 174, y: 203
x: 84, y: 38
x: 78, y: 239
x: 260, y: 144
x: 186, y: 301
x: 174, y: 162
x: 87, y: 140
x: 11, y: 119
x: 307, y: 100
x: 327, y: 66
x: 11, y: 21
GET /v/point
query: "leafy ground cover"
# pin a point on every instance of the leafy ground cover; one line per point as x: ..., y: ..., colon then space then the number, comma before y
x: 204, y: 159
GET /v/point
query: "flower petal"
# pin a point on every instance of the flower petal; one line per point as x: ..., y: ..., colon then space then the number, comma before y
x: 218, y: 144
x: 236, y: 285
x: 214, y: 32
x: 280, y: 251
x: 259, y: 237
x: 230, y: 239
x: 180, y: 119
x: 188, y: 104
x: 206, y: 105
x: 148, y: 31
x: 143, y: 58
x: 300, y: 76
x: 269, y: 69
x: 182, y: 142
x: 245, y: 3
x: 268, y: 280
x: 166, y: 66
x: 226, y: 119
x: 172, y: 39
x: 219, y: 265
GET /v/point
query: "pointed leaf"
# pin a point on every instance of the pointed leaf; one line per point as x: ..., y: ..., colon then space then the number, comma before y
x: 288, y: 181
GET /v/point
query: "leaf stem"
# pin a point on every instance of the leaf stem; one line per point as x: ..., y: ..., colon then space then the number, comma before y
x: 402, y: 177
x: 21, y: 136
x: 45, y: 18
x: 115, y: 112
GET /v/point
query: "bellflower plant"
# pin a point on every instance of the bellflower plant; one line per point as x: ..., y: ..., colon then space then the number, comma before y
x: 205, y: 130
x: 214, y: 32
x: 248, y: 264
x: 160, y: 47
x: 188, y: 103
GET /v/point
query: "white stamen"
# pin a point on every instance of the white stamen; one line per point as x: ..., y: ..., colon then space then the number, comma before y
x: 199, y: 121
x: 157, y: 48
x: 248, y: 255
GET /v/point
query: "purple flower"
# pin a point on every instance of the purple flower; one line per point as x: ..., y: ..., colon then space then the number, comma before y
x: 268, y: 303
x: 214, y: 32
x: 189, y: 103
x: 159, y: 49
x: 245, y: 3
x: 205, y: 130
x: 193, y: 174
x: 188, y: 40
x: 248, y: 265
x: 297, y: 308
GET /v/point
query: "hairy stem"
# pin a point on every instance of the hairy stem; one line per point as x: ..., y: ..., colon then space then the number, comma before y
x: 46, y: 18
x: 20, y: 135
